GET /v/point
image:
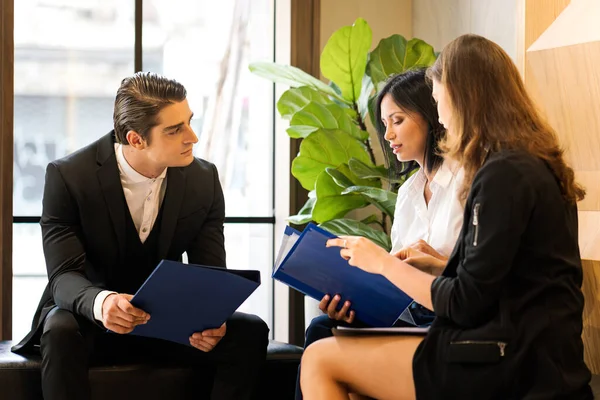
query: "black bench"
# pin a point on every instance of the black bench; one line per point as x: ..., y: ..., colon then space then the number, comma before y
x: 20, y: 378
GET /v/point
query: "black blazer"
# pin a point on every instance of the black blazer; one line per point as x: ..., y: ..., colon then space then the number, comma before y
x: 509, y: 305
x: 83, y: 226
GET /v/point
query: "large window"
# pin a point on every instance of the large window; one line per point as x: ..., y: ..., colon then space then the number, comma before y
x: 70, y: 57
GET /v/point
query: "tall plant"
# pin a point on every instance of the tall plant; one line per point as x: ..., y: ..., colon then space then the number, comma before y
x: 336, y: 162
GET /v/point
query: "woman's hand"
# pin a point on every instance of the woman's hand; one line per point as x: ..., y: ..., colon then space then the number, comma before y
x: 424, y: 247
x: 361, y: 252
x: 423, y: 261
x: 329, y: 307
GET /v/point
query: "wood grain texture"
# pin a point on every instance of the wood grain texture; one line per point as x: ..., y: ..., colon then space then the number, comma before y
x: 589, y: 235
x: 591, y: 181
x: 562, y: 47
x: 305, y: 52
x: 539, y: 15
x: 569, y: 88
x: 6, y: 165
x: 563, y: 64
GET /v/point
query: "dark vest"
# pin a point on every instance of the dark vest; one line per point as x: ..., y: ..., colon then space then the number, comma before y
x: 140, y: 258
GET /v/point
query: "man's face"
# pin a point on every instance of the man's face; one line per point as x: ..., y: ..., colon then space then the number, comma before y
x: 172, y: 140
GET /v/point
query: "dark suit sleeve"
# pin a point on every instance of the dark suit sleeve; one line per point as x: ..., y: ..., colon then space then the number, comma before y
x: 208, y: 248
x: 63, y: 248
x: 505, y: 201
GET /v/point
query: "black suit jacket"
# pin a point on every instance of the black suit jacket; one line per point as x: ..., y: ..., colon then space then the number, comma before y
x: 509, y: 305
x: 83, y: 226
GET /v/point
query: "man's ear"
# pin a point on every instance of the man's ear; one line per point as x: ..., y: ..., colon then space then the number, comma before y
x: 136, y: 140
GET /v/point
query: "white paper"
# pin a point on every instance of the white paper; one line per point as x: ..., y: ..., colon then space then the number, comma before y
x: 287, y: 242
x: 400, y: 330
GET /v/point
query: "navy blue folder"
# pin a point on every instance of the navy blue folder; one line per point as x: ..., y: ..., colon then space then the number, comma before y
x: 315, y: 270
x: 185, y: 298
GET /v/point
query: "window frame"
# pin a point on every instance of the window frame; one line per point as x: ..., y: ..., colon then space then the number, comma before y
x: 7, y: 219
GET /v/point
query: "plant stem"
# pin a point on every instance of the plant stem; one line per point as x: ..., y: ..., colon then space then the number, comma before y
x: 363, y: 126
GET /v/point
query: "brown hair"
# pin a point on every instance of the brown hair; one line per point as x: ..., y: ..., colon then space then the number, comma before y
x: 492, y: 111
x: 139, y: 100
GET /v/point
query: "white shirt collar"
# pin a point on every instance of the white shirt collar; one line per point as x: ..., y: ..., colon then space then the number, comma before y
x: 442, y: 177
x: 129, y: 174
x: 445, y: 173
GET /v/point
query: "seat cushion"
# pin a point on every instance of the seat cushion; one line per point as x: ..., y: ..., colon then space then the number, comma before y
x: 20, y: 377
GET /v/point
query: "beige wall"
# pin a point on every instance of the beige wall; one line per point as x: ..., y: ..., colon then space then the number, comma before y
x: 439, y: 21
x: 385, y: 17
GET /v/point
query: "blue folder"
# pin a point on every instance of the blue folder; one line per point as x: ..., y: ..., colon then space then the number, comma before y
x: 307, y: 265
x: 185, y: 298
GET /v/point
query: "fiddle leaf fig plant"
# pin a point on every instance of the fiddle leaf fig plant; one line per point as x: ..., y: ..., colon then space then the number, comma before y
x: 336, y: 162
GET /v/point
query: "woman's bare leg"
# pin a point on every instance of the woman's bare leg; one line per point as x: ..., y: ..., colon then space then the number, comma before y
x: 377, y: 366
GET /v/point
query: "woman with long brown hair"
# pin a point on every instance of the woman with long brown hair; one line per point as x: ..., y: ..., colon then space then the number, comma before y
x: 508, y: 304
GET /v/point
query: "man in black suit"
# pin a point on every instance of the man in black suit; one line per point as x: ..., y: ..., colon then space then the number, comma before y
x: 111, y: 212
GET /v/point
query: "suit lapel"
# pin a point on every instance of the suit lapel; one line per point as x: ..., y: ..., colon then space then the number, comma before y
x: 171, y: 206
x: 112, y: 190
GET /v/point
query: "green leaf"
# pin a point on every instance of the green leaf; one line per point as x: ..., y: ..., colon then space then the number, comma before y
x: 345, y: 178
x: 300, y: 131
x: 365, y: 96
x: 380, y: 198
x: 330, y: 202
x: 364, y: 171
x: 394, y: 55
x: 371, y: 219
x: 294, y: 99
x: 327, y: 116
x: 350, y: 227
x: 304, y: 216
x: 344, y: 58
x: 371, y: 108
x: 324, y: 149
x: 292, y: 76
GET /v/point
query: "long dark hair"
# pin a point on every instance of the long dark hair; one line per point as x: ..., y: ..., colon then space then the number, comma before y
x: 492, y: 111
x: 412, y: 93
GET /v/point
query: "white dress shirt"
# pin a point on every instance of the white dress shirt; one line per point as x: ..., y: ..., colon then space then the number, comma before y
x: 144, y: 197
x: 438, y: 223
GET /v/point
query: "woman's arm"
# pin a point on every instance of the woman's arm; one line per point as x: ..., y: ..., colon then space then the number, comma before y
x: 501, y: 201
x: 504, y: 201
x: 411, y: 280
x: 363, y: 253
x: 426, y: 262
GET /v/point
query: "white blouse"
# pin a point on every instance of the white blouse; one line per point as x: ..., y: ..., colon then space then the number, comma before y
x: 439, y: 223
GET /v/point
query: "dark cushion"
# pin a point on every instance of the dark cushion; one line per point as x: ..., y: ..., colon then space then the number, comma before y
x: 20, y: 377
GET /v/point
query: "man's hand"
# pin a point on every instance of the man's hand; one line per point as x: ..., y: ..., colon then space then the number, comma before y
x: 119, y: 315
x: 207, y: 340
x: 329, y: 308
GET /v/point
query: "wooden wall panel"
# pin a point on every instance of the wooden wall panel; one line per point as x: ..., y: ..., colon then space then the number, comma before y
x: 305, y: 52
x: 563, y: 51
x: 6, y: 165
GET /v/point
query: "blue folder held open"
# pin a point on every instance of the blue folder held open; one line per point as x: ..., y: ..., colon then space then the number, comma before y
x: 185, y: 298
x: 307, y: 265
